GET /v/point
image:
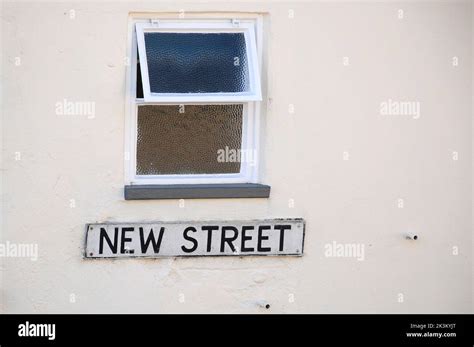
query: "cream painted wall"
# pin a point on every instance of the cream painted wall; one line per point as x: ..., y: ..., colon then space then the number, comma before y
x: 336, y: 110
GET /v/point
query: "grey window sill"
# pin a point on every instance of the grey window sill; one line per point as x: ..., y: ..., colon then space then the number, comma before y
x: 196, y: 191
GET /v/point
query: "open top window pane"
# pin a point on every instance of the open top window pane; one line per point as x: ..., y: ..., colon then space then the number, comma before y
x: 197, y: 62
x: 192, y: 64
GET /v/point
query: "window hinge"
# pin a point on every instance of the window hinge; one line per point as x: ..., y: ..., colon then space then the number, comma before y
x: 236, y: 22
x: 155, y: 22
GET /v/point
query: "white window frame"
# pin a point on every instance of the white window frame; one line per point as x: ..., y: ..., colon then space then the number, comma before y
x: 248, y: 29
x: 249, y: 172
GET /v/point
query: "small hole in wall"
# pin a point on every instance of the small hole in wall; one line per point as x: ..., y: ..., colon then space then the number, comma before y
x: 267, y: 306
x: 415, y: 237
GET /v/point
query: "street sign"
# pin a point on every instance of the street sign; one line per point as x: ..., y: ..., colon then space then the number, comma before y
x: 275, y: 237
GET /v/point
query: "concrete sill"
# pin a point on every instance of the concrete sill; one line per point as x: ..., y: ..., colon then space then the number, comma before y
x: 196, y: 191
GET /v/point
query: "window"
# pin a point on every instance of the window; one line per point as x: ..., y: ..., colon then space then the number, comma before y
x: 194, y: 102
x: 210, y: 62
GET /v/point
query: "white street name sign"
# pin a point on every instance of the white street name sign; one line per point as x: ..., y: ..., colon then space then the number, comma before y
x: 274, y: 237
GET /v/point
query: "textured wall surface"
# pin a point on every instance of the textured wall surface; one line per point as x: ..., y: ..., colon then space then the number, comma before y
x: 330, y: 154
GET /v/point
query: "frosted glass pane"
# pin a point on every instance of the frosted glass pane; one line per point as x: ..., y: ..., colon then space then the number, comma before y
x: 197, y: 62
x: 170, y: 142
